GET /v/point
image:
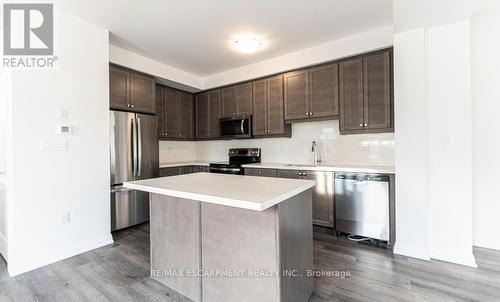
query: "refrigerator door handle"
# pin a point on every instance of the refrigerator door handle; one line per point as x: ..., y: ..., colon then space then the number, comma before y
x: 139, y: 147
x: 134, y: 149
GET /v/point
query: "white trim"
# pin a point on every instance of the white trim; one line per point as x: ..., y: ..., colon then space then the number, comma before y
x: 412, y: 254
x: 3, y: 247
x: 486, y: 245
x: 37, y: 263
x: 467, y: 260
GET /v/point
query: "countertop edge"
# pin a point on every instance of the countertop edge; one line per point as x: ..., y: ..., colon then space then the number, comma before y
x: 241, y: 204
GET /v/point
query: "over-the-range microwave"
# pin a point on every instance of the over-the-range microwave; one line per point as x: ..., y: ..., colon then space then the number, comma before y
x: 236, y: 127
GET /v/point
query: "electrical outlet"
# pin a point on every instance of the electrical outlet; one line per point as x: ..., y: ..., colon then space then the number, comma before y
x: 54, y: 145
x: 64, y: 218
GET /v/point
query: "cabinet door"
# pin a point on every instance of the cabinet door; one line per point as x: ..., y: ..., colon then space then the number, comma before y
x: 275, y: 122
x: 159, y: 111
x: 322, y: 197
x: 324, y: 91
x: 296, y: 95
x: 214, y: 113
x: 119, y: 89
x: 142, y: 92
x: 244, y: 99
x: 202, y: 113
x: 185, y: 170
x: 377, y: 91
x: 294, y: 174
x: 185, y: 115
x: 171, y: 112
x: 351, y: 94
x: 229, y: 102
x: 260, y: 107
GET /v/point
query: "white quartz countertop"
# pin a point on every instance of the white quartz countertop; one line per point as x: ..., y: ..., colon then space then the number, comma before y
x: 326, y: 167
x: 240, y: 191
x: 184, y: 163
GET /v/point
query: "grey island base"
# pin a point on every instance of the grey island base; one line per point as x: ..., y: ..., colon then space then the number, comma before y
x: 249, y: 242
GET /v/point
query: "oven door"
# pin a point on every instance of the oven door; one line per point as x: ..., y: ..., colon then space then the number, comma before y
x: 226, y: 170
x: 237, y: 127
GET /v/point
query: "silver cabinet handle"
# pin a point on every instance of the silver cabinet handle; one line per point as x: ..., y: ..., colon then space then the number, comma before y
x: 241, y: 126
x: 307, y: 113
x: 139, y: 147
x: 132, y: 105
x: 366, y: 124
x: 361, y: 125
x: 310, y: 113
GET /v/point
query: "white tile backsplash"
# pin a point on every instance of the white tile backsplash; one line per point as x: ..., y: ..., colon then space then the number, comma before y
x: 360, y: 149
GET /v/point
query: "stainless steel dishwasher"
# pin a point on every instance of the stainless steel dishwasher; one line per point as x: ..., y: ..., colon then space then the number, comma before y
x: 362, y: 205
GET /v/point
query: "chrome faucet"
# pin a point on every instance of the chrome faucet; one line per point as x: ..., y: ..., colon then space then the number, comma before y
x: 315, y: 153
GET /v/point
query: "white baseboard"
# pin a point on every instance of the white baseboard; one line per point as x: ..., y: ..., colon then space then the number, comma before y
x: 98, y: 242
x: 412, y: 254
x: 3, y: 247
x: 466, y: 260
x: 488, y: 245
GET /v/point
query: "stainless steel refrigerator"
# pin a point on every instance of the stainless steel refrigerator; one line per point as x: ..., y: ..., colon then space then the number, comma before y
x: 134, y: 156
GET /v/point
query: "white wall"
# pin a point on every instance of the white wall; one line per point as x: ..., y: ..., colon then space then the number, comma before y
x: 411, y: 144
x: 485, y: 135
x: 177, y: 78
x: 449, y: 142
x: 364, y: 42
x: 365, y: 149
x: 44, y: 184
x: 4, y: 110
x: 4, y: 140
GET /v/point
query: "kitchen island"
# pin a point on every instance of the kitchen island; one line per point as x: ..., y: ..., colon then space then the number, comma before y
x: 217, y: 237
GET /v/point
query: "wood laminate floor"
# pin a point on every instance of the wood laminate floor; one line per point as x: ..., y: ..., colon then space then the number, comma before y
x: 119, y: 272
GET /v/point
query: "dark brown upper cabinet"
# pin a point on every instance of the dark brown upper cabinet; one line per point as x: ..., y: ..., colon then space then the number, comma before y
x: 131, y: 91
x: 324, y: 91
x: 366, y: 98
x: 175, y: 114
x: 312, y: 93
x: 202, y: 110
x: 236, y: 100
x: 268, y: 116
x: 208, y: 114
x: 296, y: 95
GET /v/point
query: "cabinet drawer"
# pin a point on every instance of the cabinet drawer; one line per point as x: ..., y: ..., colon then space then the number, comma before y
x: 200, y: 169
x: 261, y: 172
x: 171, y: 171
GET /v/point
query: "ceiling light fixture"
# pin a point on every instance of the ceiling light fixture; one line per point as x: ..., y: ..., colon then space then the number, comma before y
x: 248, y: 45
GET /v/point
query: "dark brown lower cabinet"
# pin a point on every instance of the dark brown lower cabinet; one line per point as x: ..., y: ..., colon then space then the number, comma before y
x: 322, y: 197
x: 197, y: 169
x: 261, y: 172
x: 172, y: 171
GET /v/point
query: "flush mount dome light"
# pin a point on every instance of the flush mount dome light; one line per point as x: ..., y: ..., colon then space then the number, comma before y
x: 248, y: 45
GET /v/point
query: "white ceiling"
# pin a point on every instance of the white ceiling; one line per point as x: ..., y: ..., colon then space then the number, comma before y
x: 197, y: 36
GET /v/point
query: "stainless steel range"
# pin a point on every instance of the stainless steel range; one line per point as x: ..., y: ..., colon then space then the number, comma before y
x: 237, y: 158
